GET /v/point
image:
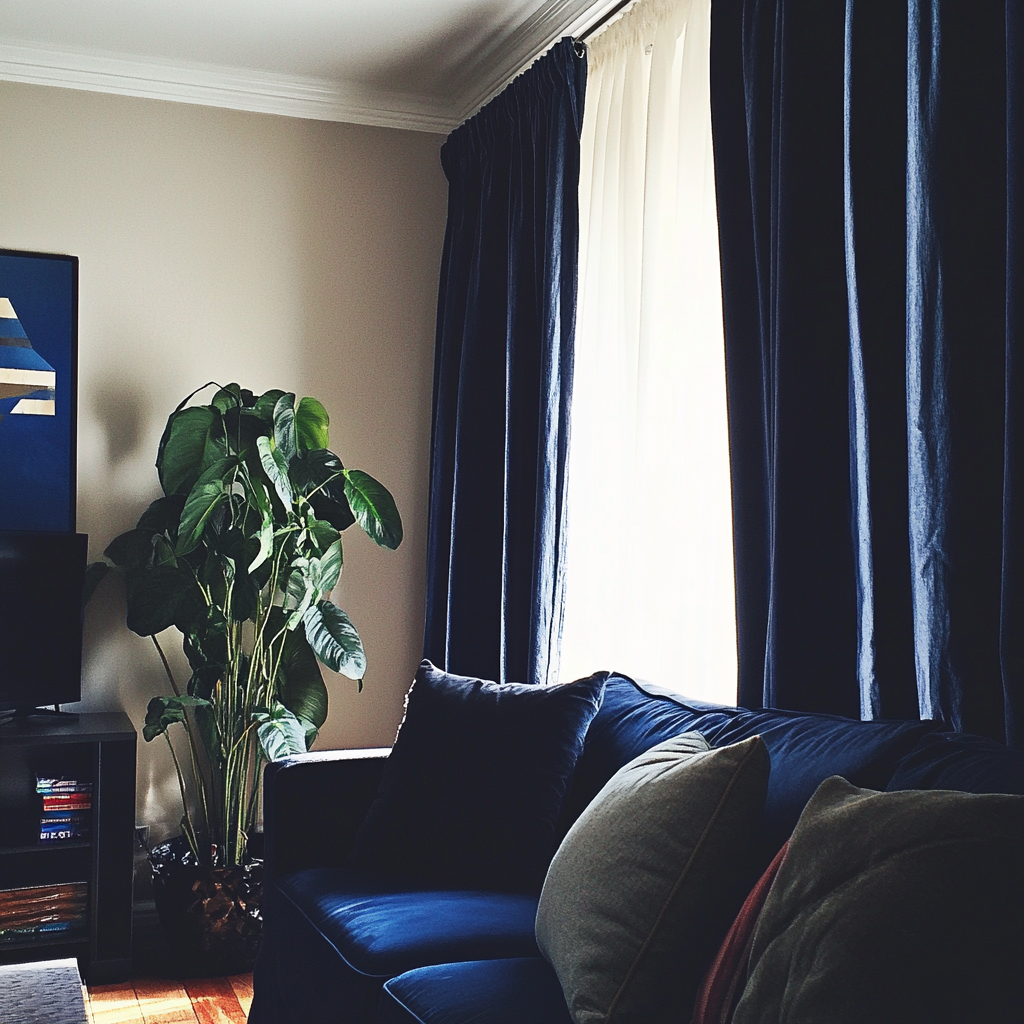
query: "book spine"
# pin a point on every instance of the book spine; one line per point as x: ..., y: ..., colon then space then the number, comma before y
x: 57, y: 835
x: 58, y: 786
x: 67, y: 803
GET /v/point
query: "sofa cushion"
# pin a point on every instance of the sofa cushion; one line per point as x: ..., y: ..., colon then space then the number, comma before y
x: 805, y: 749
x: 472, y: 792
x: 631, y: 721
x: 950, y: 760
x: 516, y: 991
x: 894, y: 908
x: 383, y: 931
x: 648, y: 879
x: 299, y: 974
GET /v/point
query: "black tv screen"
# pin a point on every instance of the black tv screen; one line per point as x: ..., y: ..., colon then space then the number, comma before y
x: 41, y: 580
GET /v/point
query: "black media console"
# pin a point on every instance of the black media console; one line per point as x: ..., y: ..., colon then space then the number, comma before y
x: 91, y: 874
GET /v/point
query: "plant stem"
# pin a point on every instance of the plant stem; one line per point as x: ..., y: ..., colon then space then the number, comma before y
x: 320, y: 486
x: 197, y: 775
x: 167, y: 667
x: 251, y: 811
x: 190, y: 832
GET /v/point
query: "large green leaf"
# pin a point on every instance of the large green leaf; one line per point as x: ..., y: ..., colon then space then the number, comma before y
x: 323, y: 534
x: 160, y: 597
x: 246, y: 515
x: 320, y: 471
x: 334, y: 639
x: 280, y: 732
x: 94, y: 575
x: 209, y: 734
x: 311, y: 734
x: 179, y: 460
x: 276, y: 469
x: 230, y: 553
x: 234, y: 433
x: 299, y: 589
x: 223, y: 515
x: 163, y: 551
x: 245, y: 433
x: 132, y: 549
x: 330, y: 568
x: 163, y: 515
x: 313, y: 468
x: 201, y: 685
x: 238, y: 545
x: 207, y: 645
x: 229, y: 397
x: 265, y: 535
x: 265, y: 404
x: 374, y: 508
x: 203, y: 680
x: 300, y: 684
x: 165, y: 711
x: 311, y: 423
x: 285, y: 440
x: 210, y: 491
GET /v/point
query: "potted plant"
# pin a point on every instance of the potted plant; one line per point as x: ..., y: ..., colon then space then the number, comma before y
x: 241, y: 554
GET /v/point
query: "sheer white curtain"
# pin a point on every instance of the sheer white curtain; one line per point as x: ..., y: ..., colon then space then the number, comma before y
x: 649, y: 571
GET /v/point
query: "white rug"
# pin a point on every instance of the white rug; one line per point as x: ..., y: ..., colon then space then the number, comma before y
x: 46, y: 992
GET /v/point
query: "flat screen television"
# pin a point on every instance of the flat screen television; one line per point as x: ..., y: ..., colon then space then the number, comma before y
x: 41, y: 581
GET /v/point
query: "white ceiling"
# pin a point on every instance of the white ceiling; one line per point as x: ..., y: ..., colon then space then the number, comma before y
x: 425, y: 64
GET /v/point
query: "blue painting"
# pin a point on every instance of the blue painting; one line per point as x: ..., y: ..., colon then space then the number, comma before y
x: 38, y: 390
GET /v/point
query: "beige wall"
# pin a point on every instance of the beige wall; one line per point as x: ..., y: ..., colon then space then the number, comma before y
x: 220, y: 245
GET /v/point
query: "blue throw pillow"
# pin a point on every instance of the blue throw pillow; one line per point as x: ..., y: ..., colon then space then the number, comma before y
x: 473, y: 789
x: 632, y: 719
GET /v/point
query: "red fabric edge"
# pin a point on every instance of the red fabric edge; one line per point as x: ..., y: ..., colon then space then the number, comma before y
x: 719, y: 991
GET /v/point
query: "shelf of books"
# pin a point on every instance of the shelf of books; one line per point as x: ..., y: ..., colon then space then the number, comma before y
x: 46, y: 797
x: 66, y: 806
x: 44, y: 912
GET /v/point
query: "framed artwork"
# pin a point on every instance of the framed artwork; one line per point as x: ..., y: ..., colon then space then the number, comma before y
x: 38, y: 390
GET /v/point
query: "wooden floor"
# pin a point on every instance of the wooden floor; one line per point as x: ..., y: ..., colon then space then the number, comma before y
x: 158, y: 995
x: 164, y: 1001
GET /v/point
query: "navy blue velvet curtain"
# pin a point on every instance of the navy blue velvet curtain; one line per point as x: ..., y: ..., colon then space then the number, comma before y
x: 503, y: 378
x: 869, y: 167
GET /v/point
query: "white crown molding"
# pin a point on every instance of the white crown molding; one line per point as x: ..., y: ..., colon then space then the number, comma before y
x: 320, y: 99
x: 217, y: 86
x: 515, y: 52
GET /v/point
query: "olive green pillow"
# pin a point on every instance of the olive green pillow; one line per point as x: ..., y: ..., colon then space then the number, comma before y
x: 649, y: 878
x: 893, y: 908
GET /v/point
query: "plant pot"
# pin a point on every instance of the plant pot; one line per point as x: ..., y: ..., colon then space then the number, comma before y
x: 210, y: 915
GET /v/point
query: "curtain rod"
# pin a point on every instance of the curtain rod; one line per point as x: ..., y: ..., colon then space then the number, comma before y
x: 601, y: 22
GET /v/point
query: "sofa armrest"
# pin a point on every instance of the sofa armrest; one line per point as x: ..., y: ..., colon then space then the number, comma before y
x: 314, y: 803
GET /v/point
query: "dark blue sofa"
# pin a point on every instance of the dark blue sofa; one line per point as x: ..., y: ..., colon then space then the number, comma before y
x: 340, y: 946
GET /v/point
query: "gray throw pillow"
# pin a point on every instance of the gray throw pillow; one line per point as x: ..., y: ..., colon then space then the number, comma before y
x: 648, y: 879
x: 893, y: 908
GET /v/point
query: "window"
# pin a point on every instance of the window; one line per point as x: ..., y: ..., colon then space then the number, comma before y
x: 649, y: 570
